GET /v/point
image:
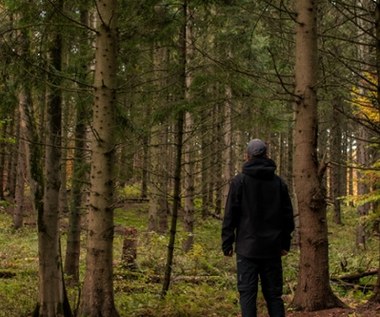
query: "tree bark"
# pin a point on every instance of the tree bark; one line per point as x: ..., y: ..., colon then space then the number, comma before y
x: 313, y: 289
x: 189, y: 152
x: 79, y: 177
x: 227, y: 138
x: 98, y: 294
x: 178, y: 159
x: 336, y: 158
x: 158, y: 176
x: 362, y: 188
x: 18, y: 211
x: 376, y: 296
x: 52, y: 296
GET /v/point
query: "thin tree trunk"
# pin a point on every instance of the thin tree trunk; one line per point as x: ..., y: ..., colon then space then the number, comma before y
x: 145, y: 162
x: 79, y: 177
x: 98, y: 294
x: 158, y: 193
x: 217, y: 164
x: 227, y: 138
x: 178, y: 158
x: 336, y: 168
x: 18, y: 212
x: 188, y: 216
x: 205, y: 166
x: 12, y: 160
x: 362, y: 188
x: 189, y: 156
x: 313, y: 289
x: 376, y: 296
x: 3, y: 147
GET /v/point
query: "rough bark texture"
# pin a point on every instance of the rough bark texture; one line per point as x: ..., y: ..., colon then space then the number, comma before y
x: 313, y: 290
x: 51, y: 292
x: 97, y: 294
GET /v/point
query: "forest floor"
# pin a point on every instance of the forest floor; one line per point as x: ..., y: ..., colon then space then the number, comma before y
x: 368, y: 310
x: 203, y: 281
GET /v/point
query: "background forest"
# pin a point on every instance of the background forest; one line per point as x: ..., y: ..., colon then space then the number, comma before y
x: 122, y: 122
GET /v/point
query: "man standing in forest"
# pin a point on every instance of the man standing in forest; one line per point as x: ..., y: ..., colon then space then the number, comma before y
x: 259, y: 220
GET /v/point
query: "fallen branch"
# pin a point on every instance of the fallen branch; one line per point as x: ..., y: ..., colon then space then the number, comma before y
x: 354, y: 277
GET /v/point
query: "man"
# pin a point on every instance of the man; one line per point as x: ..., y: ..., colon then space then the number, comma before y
x: 259, y: 220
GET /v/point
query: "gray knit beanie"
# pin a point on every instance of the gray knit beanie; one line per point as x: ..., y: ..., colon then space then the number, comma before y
x: 256, y: 148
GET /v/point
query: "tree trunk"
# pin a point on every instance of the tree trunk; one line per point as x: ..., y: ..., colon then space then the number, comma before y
x: 12, y: 161
x: 313, y: 289
x: 79, y: 177
x: 158, y: 205
x: 18, y: 211
x: 205, y: 166
x: 97, y: 294
x: 362, y: 188
x: 188, y: 216
x: 217, y: 164
x: 189, y: 144
x: 178, y: 159
x: 376, y: 296
x: 52, y: 296
x: 145, y: 162
x: 336, y: 158
x: 227, y: 138
x: 3, y: 146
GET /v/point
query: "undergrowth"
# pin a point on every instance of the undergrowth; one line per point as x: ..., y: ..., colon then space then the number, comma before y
x: 203, y: 281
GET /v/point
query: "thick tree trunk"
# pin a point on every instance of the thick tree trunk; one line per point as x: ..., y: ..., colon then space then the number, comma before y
x: 313, y: 289
x: 52, y: 296
x: 98, y: 294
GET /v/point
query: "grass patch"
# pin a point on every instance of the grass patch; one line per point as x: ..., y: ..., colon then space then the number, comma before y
x: 203, y: 281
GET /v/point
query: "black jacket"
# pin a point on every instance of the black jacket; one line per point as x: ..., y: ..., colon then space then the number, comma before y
x: 258, y: 214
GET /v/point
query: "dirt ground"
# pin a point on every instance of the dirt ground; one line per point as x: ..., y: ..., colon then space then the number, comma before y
x: 372, y: 310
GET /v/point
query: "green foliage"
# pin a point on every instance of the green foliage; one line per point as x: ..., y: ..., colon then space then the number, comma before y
x: 18, y: 269
x: 5, y: 139
x: 129, y: 191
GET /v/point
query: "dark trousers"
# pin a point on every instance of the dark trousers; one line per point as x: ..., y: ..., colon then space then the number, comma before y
x: 270, y: 273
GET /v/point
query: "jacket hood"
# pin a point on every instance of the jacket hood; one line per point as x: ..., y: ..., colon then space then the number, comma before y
x: 260, y: 167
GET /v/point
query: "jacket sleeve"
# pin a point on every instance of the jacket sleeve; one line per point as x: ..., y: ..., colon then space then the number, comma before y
x: 231, y: 213
x: 288, y: 217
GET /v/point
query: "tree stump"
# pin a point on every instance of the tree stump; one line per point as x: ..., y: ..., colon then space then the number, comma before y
x: 129, y: 253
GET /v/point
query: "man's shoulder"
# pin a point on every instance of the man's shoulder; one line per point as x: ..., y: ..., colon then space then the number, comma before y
x: 238, y: 178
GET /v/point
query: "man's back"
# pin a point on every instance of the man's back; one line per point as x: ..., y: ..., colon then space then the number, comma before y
x: 259, y: 209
